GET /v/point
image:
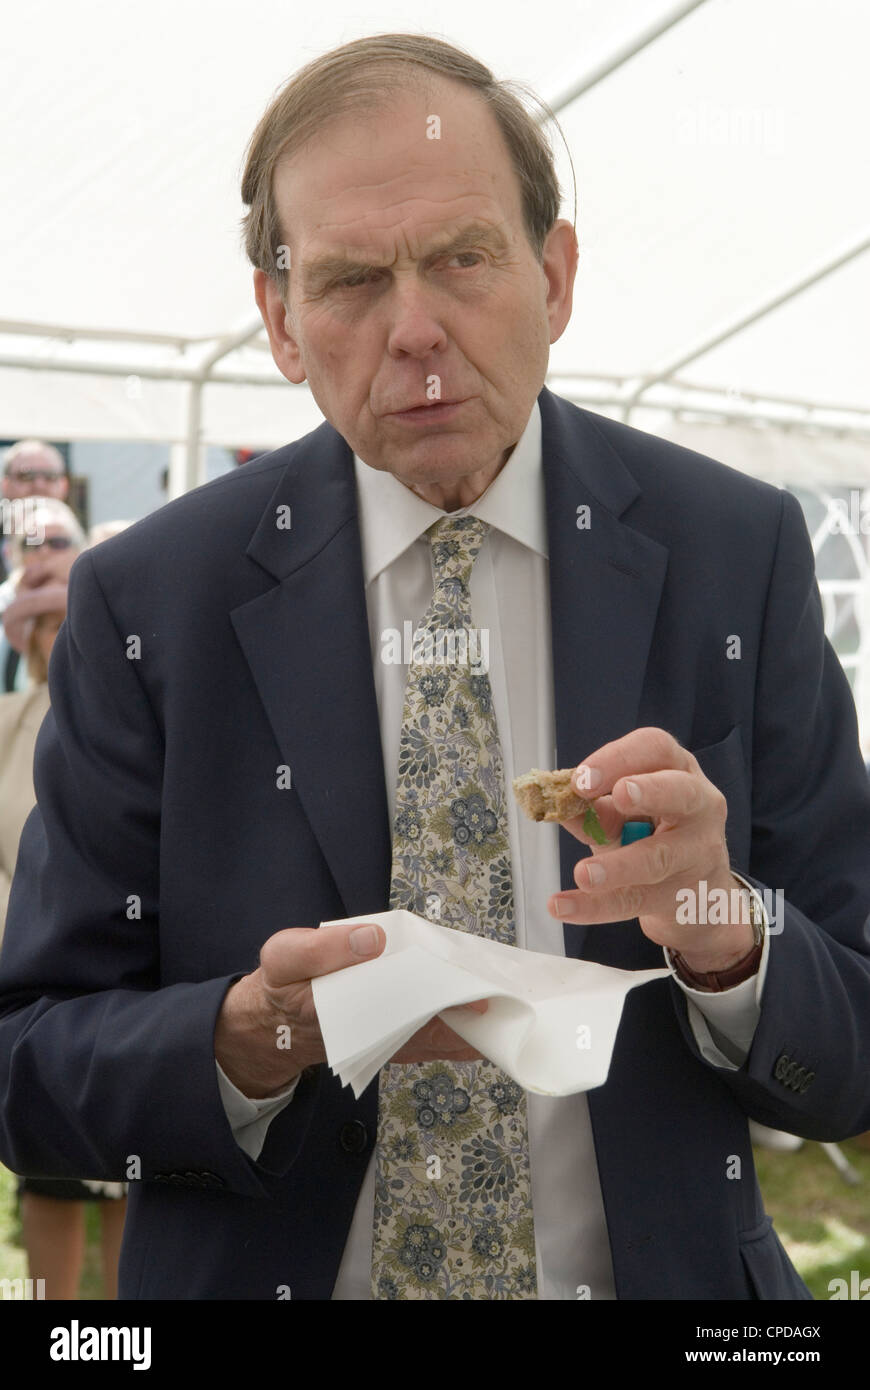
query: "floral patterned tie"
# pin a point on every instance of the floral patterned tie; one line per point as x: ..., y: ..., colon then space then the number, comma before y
x: 453, y: 1204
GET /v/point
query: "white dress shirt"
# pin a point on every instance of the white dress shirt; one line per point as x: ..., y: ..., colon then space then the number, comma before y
x: 509, y: 592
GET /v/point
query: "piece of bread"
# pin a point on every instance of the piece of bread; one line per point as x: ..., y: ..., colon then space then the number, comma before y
x: 549, y: 795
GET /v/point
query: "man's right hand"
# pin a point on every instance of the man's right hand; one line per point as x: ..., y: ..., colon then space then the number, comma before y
x: 278, y: 995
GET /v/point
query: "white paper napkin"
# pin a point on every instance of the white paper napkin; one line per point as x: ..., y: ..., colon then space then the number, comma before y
x: 551, y: 1022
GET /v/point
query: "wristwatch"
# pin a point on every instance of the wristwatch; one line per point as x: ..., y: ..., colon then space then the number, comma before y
x: 715, y: 981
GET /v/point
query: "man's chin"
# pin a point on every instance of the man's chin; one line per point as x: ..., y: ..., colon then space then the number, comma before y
x: 418, y: 476
x: 440, y: 458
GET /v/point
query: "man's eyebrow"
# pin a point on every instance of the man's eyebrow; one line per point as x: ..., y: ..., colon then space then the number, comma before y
x: 321, y: 269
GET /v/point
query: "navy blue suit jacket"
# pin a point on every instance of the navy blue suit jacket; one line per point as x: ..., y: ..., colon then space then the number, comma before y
x: 156, y: 776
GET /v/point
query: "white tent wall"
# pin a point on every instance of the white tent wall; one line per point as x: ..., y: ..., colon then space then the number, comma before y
x: 720, y: 168
x: 264, y: 417
x: 91, y: 405
x: 786, y: 457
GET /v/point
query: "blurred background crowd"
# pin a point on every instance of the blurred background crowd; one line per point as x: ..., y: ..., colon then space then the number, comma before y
x: 36, y: 563
x: 42, y: 534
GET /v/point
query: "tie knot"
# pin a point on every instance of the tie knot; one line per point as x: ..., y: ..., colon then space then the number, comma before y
x: 455, y: 542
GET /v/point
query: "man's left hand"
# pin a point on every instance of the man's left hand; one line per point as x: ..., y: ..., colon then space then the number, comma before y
x: 648, y: 775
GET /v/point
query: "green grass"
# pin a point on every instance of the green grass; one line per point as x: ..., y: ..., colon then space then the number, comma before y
x: 13, y: 1261
x: 823, y: 1223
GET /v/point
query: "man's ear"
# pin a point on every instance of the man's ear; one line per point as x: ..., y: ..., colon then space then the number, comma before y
x: 285, y: 349
x: 560, y: 259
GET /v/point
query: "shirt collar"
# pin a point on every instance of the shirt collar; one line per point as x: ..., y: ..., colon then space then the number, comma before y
x: 392, y: 517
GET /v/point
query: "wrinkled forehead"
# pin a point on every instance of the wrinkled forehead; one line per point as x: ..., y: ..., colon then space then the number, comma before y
x: 424, y: 160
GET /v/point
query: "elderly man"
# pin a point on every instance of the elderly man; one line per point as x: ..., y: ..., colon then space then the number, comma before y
x: 228, y: 762
x: 43, y: 553
x: 32, y: 468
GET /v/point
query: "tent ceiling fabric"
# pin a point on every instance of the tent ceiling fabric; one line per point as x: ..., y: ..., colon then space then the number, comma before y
x: 717, y: 168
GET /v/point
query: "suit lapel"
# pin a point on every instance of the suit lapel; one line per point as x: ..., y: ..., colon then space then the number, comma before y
x: 605, y: 586
x: 605, y: 589
x: 306, y: 641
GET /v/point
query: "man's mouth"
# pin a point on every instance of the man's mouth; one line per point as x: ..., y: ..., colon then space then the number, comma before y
x: 429, y: 410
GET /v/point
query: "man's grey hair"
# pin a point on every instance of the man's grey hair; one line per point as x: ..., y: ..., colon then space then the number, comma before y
x: 33, y: 446
x: 364, y: 75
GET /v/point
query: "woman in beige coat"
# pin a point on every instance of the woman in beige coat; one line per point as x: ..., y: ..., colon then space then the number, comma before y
x: 21, y: 713
x: 52, y: 1211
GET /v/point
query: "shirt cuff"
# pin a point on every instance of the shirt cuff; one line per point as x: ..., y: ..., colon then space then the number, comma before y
x: 724, y: 1024
x: 249, y: 1119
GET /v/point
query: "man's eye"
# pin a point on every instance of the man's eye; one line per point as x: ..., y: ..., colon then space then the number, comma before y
x: 357, y: 277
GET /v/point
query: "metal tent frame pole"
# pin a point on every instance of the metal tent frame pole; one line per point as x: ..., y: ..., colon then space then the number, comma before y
x: 194, y: 472
x: 623, y: 54
x: 664, y: 374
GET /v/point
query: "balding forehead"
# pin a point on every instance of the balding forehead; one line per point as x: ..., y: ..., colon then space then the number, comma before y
x: 28, y: 450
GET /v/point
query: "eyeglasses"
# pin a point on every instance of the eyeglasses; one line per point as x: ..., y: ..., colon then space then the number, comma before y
x: 53, y: 543
x: 36, y: 475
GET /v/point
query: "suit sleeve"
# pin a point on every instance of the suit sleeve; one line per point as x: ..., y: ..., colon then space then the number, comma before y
x: 5, y: 885
x: 807, y: 1071
x: 100, y: 1061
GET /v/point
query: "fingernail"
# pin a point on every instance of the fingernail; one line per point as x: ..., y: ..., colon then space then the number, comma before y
x: 586, y: 778
x: 363, y: 941
x: 633, y: 790
x: 559, y: 906
x: 596, y: 872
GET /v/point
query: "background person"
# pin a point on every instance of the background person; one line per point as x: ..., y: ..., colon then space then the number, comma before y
x: 104, y: 530
x: 58, y: 538
x: 52, y: 1210
x: 32, y: 468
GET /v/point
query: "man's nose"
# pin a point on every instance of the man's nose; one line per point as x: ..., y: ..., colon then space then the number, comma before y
x: 415, y: 323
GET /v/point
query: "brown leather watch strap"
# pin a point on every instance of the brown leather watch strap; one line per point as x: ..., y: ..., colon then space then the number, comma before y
x: 717, y: 980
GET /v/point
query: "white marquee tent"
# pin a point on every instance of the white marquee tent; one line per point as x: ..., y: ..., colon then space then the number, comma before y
x: 720, y: 149
x: 723, y: 178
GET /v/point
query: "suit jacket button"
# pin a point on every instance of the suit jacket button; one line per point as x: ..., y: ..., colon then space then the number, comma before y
x: 353, y: 1137
x: 782, y: 1065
